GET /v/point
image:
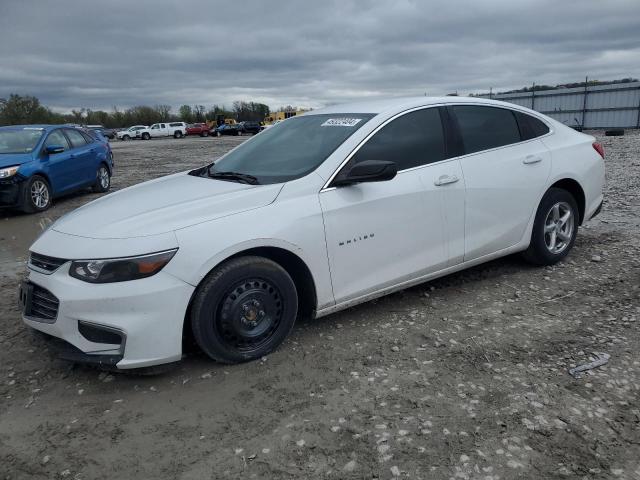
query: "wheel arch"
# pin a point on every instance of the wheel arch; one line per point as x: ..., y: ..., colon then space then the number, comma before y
x: 575, y: 189
x: 294, y: 265
x: 44, y: 175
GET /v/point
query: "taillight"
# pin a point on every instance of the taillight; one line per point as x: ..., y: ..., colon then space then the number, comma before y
x: 599, y: 148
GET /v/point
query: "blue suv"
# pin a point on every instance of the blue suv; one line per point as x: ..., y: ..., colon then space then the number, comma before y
x: 41, y: 162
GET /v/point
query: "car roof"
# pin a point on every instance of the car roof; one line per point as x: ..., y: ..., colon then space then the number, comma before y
x: 392, y: 105
x: 43, y: 127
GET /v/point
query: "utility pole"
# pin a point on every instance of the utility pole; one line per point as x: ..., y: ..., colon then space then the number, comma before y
x: 533, y: 96
x: 490, y: 92
x: 584, y: 101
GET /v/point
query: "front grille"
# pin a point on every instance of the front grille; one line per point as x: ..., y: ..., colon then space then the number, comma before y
x: 48, y: 264
x: 44, y: 304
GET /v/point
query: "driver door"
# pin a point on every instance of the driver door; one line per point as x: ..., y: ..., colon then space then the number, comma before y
x: 381, y: 234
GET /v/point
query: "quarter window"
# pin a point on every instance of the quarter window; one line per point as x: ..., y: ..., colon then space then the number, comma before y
x: 77, y: 139
x: 531, y: 127
x: 483, y: 128
x: 57, y: 138
x: 411, y: 140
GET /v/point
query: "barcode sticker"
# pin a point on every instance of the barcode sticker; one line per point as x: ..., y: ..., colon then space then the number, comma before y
x: 341, y: 122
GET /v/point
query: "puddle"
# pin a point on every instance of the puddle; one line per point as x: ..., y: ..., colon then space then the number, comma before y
x: 17, y: 233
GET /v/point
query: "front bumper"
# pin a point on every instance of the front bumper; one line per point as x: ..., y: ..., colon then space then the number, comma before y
x: 11, y: 191
x: 141, y: 320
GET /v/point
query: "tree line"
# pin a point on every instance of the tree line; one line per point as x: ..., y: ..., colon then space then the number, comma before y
x: 26, y: 109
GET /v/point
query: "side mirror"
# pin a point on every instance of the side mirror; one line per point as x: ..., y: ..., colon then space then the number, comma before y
x: 52, y: 149
x: 368, y: 171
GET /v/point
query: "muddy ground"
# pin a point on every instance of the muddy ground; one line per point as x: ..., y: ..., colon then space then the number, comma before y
x: 464, y: 377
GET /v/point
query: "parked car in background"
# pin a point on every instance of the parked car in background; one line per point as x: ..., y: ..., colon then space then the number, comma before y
x: 269, y: 125
x: 41, y: 162
x: 109, y: 133
x: 226, y: 129
x: 130, y: 133
x: 166, y: 129
x: 201, y: 129
x: 249, y: 128
x: 320, y: 213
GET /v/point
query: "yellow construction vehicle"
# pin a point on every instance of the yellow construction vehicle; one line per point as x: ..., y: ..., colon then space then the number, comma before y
x: 281, y: 115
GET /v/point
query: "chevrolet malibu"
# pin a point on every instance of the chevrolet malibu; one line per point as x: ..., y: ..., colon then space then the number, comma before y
x: 314, y: 215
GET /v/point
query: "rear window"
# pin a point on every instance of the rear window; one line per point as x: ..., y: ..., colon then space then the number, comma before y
x: 483, y: 128
x: 176, y: 124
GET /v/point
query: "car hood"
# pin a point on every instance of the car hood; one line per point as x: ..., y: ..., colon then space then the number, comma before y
x: 163, y: 205
x: 10, y: 159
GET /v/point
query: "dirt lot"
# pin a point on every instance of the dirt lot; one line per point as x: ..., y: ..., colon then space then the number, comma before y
x: 464, y: 377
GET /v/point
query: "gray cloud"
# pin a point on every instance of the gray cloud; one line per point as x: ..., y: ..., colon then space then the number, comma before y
x: 75, y: 54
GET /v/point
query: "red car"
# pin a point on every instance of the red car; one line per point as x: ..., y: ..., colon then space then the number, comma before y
x: 201, y: 129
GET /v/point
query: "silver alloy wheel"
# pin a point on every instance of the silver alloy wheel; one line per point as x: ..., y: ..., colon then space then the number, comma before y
x: 558, y: 227
x: 103, y: 177
x: 40, y: 194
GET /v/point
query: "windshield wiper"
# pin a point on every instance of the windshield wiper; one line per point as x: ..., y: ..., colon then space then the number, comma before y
x: 234, y: 176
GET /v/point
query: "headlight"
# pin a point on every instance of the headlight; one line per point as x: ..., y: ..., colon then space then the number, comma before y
x: 9, y: 171
x: 120, y: 269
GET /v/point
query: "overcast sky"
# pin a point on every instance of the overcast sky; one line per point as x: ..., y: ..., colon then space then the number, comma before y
x: 102, y: 53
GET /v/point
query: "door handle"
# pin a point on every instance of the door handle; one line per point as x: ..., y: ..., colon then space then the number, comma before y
x: 445, y: 180
x: 529, y: 159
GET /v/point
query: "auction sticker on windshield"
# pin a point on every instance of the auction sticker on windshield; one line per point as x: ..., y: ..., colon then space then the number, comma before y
x: 341, y: 122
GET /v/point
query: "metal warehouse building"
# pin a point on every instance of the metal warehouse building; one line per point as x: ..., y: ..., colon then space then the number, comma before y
x: 599, y: 106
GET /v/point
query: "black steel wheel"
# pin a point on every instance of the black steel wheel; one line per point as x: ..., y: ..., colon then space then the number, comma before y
x: 244, y: 309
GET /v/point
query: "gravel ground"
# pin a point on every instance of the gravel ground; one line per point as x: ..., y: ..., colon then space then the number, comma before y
x: 463, y: 377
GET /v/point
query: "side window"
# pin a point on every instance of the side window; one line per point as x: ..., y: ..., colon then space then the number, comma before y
x: 531, y: 127
x: 414, y: 139
x: 162, y: 125
x: 483, y: 128
x: 57, y: 138
x: 77, y: 139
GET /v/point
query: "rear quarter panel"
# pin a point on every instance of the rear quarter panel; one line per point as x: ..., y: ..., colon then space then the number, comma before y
x: 573, y: 156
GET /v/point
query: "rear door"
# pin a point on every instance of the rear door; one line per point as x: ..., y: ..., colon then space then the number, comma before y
x: 84, y: 152
x: 381, y: 234
x: 505, y: 174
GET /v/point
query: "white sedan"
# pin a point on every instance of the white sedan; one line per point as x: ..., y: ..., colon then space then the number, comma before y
x: 314, y: 215
x: 130, y: 133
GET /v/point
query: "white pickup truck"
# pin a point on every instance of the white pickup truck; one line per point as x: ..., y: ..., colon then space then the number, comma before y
x: 168, y: 129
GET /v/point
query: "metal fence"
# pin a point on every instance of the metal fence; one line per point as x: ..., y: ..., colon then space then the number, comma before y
x: 598, y: 106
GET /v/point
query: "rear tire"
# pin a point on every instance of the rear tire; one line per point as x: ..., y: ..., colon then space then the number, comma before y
x: 36, y: 195
x: 126, y: 137
x: 177, y: 134
x: 244, y: 309
x: 103, y: 180
x: 554, y: 229
x: 146, y: 136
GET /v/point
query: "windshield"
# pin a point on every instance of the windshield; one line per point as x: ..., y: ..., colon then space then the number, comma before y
x: 291, y: 149
x: 19, y: 141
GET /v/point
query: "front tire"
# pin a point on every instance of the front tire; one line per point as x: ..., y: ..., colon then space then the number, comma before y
x: 37, y: 195
x: 126, y: 137
x: 554, y: 228
x: 103, y: 180
x: 244, y: 309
